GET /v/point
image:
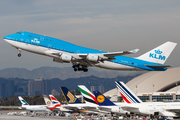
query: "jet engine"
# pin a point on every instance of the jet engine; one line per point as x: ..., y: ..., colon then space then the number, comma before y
x: 64, y: 58
x: 92, y: 57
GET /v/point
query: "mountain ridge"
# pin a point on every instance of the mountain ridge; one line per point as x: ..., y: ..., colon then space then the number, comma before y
x: 56, y: 72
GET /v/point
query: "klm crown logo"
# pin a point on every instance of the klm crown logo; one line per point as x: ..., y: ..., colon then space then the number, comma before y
x: 158, y: 51
x: 157, y: 55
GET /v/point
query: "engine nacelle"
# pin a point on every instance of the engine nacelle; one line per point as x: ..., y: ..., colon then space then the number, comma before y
x: 66, y: 58
x: 57, y: 60
x: 92, y: 57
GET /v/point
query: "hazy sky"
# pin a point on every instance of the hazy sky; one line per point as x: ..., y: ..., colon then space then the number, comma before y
x: 100, y: 24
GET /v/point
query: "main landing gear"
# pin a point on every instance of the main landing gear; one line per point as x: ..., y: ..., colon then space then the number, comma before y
x: 80, y: 68
x: 19, y: 54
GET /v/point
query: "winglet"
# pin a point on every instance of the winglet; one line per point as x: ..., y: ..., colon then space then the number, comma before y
x: 134, y: 51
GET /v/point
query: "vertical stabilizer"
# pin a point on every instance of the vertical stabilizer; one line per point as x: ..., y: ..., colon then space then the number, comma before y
x: 102, y: 100
x: 159, y: 54
x: 127, y: 95
x: 88, y: 96
x: 55, y: 102
x: 47, y: 101
x: 69, y: 97
x: 23, y: 102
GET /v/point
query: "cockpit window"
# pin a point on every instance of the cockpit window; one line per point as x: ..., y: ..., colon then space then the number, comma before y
x: 18, y: 33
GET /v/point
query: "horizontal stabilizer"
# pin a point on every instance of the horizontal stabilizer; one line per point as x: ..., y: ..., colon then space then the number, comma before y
x: 158, y: 66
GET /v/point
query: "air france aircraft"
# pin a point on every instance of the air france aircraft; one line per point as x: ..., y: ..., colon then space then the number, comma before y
x: 82, y: 57
x: 134, y: 104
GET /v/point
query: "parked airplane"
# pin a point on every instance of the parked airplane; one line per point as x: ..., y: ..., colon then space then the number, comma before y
x: 56, y: 105
x: 82, y: 57
x: 107, y: 105
x: 74, y: 104
x: 134, y: 104
x: 88, y: 107
x: 26, y: 106
x: 104, y: 104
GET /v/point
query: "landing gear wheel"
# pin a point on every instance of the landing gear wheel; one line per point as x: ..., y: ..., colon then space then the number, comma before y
x: 19, y: 55
x: 75, y: 69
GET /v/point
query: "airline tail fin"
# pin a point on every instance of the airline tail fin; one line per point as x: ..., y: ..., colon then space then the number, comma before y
x: 69, y: 97
x: 88, y: 96
x: 127, y: 95
x: 102, y: 100
x: 55, y: 102
x: 47, y: 101
x: 159, y: 54
x: 23, y: 102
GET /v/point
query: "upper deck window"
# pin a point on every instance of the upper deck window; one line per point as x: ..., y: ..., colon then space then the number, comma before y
x: 18, y: 33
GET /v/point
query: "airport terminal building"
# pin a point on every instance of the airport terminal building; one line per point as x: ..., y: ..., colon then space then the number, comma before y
x: 153, y: 86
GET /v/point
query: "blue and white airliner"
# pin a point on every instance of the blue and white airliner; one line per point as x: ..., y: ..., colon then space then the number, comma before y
x: 82, y: 57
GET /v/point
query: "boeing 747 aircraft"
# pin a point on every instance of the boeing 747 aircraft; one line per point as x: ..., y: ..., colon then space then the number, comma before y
x: 82, y: 57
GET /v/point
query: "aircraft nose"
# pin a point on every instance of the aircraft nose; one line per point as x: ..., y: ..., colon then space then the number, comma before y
x: 6, y: 37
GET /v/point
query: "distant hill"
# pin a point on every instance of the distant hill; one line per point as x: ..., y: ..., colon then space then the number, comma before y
x: 72, y: 83
x: 55, y: 72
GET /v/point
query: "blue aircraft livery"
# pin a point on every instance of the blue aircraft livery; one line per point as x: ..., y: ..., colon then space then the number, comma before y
x: 69, y: 97
x: 81, y: 57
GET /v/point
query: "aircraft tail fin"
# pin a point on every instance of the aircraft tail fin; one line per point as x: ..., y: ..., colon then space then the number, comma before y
x: 159, y: 54
x: 55, y: 102
x: 88, y: 96
x: 47, y: 101
x: 102, y: 100
x: 23, y: 102
x: 127, y: 95
x: 69, y: 97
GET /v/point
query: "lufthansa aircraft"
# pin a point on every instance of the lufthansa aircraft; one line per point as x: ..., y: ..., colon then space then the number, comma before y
x: 82, y: 57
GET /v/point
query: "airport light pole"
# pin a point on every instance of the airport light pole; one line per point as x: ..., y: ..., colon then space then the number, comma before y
x: 177, y: 86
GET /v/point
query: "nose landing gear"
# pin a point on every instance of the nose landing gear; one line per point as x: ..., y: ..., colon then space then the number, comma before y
x: 19, y: 54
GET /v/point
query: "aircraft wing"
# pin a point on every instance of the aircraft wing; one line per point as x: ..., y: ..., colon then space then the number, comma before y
x: 130, y: 108
x: 112, y: 54
x: 158, y: 66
